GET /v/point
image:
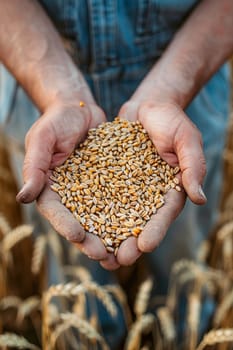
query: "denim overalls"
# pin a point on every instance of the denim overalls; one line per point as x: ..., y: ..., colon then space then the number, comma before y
x: 115, y: 43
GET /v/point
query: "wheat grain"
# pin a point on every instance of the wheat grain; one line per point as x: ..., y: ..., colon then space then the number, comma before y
x: 115, y: 161
x: 216, y: 336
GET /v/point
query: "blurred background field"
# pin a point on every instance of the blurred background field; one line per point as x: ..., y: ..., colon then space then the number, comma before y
x: 36, y: 316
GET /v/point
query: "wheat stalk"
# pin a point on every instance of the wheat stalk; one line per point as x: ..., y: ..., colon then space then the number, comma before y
x: 227, y: 252
x: 4, y: 226
x: 215, y: 337
x: 142, y: 325
x: 38, y: 254
x: 203, y: 251
x: 223, y: 307
x: 15, y: 341
x: 28, y: 306
x: 142, y: 297
x: 83, y: 327
x: 225, y: 230
x: 119, y: 294
x: 15, y: 236
x: 193, y: 318
x: 166, y: 323
x: 55, y: 245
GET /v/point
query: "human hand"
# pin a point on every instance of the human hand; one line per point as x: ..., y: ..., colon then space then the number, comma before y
x: 48, y: 143
x: 179, y: 143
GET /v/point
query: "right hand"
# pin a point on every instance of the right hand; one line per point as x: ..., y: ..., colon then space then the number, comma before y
x: 49, y: 142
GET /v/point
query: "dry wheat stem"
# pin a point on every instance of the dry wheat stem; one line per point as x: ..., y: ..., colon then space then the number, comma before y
x: 82, y: 326
x: 15, y: 341
x: 225, y: 230
x: 114, y: 181
x: 27, y: 307
x: 71, y: 290
x: 119, y: 294
x: 215, y: 337
x: 223, y: 307
x: 227, y: 252
x: 143, y: 325
x: 38, y: 254
x: 193, y: 318
x: 54, y: 243
x: 4, y: 226
x: 142, y: 297
x: 166, y: 323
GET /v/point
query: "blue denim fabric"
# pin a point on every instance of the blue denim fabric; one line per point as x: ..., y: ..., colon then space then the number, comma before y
x: 115, y: 43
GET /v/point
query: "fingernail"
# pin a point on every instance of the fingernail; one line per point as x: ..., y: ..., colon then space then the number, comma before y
x: 21, y: 197
x: 201, y: 192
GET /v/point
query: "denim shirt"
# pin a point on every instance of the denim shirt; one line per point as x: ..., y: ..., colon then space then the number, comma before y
x: 115, y: 43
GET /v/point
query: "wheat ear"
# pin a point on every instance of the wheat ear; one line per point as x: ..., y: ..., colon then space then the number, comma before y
x: 215, y: 337
x: 15, y: 236
x: 71, y: 289
x: 166, y: 323
x: 142, y: 325
x: 4, y: 226
x: 223, y: 307
x: 15, y: 341
x: 83, y: 327
x: 142, y: 297
x: 38, y: 254
x: 28, y: 306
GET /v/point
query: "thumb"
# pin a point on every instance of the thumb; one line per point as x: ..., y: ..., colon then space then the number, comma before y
x: 39, y: 146
x: 129, y: 111
x: 192, y: 163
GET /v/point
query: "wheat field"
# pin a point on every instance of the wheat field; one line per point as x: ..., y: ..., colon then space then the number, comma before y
x: 34, y: 315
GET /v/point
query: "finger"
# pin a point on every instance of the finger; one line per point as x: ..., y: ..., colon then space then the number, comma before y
x: 128, y: 252
x: 36, y: 164
x: 129, y: 111
x: 92, y: 247
x: 110, y: 263
x: 59, y: 216
x: 65, y: 224
x: 192, y: 163
x: 157, y: 227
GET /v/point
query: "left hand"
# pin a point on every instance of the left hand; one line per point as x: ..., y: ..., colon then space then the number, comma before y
x: 178, y: 142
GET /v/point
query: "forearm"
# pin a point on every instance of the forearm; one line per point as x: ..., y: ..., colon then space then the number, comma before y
x: 199, y: 48
x: 32, y: 50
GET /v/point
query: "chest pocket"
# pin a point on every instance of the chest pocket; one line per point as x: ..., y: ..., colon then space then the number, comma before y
x: 159, y: 16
